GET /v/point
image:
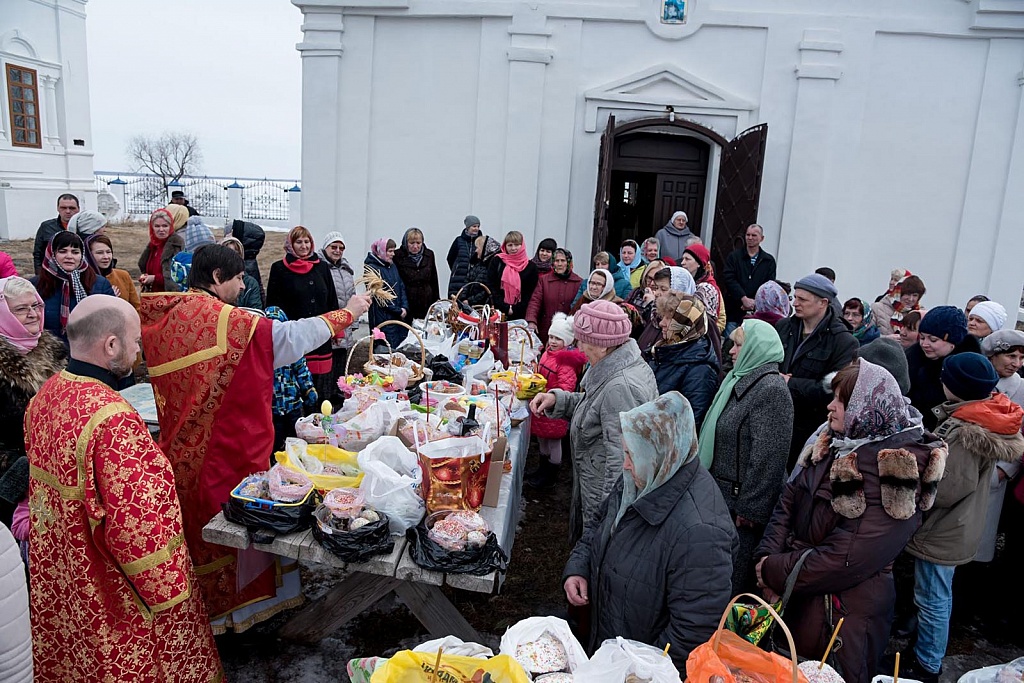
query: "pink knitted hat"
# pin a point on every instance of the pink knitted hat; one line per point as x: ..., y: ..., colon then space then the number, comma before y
x: 602, y: 323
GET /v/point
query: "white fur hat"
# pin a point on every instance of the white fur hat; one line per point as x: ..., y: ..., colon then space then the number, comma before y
x: 561, y: 327
x: 992, y: 313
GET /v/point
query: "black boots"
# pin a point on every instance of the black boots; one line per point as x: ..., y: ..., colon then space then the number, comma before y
x: 545, y: 476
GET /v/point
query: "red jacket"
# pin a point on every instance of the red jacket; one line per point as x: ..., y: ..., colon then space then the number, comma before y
x: 552, y: 295
x: 562, y: 371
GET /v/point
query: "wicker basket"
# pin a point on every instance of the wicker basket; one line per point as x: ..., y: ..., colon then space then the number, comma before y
x: 484, y: 311
x: 375, y: 359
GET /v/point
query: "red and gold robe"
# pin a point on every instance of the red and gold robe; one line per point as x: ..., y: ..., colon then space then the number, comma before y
x: 113, y: 590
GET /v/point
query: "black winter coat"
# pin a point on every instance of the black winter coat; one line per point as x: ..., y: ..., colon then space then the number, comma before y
x: 380, y: 313
x: 692, y: 370
x: 828, y: 349
x: 252, y: 238
x: 925, y: 378
x: 460, y: 255
x: 528, y: 277
x: 739, y: 279
x: 664, y: 576
x: 421, y: 287
x: 303, y: 296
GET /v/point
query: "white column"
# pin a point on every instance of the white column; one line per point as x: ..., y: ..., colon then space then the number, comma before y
x: 49, y: 128
x: 528, y: 58
x: 235, y: 200
x: 321, y: 51
x: 295, y: 205
x: 807, y: 179
x: 116, y: 189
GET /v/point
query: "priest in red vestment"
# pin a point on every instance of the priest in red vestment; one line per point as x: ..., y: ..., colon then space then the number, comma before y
x: 212, y: 370
x: 113, y: 594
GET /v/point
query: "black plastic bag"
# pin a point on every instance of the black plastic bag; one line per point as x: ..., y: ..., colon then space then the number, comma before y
x: 280, y: 518
x: 355, y: 546
x: 415, y: 353
x: 478, y: 561
x: 443, y: 370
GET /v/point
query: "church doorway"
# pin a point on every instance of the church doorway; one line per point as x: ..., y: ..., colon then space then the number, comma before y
x: 651, y: 168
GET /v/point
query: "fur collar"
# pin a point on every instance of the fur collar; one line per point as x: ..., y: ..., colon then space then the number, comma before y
x: 28, y: 372
x: 982, y: 443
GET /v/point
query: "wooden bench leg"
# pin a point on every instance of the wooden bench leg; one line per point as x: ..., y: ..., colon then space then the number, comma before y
x: 435, y: 611
x: 346, y: 600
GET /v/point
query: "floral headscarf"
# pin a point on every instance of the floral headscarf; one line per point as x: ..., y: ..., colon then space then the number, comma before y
x: 876, y: 410
x: 772, y: 298
x: 867, y: 322
x: 660, y: 438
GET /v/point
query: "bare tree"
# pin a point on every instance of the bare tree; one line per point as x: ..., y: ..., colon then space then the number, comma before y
x: 169, y: 157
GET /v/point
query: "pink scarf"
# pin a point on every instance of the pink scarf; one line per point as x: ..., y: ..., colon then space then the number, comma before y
x: 380, y: 250
x: 11, y: 328
x: 511, y: 284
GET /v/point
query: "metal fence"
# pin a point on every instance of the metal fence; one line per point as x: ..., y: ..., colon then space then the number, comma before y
x: 262, y: 198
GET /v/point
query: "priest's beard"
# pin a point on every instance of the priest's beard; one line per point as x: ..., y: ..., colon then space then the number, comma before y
x: 122, y: 365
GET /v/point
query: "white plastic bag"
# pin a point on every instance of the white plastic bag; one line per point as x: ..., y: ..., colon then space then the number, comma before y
x: 530, y: 629
x: 456, y: 646
x: 999, y: 673
x: 310, y: 430
x: 619, y: 658
x: 368, y: 426
x: 391, y: 482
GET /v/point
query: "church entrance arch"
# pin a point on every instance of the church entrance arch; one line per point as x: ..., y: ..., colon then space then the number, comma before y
x: 651, y: 168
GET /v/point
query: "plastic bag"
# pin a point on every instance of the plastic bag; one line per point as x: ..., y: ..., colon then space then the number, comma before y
x: 310, y: 430
x: 288, y: 485
x: 478, y: 561
x: 369, y: 425
x: 455, y: 647
x: 392, y: 482
x: 1011, y: 672
x: 531, y: 629
x: 616, y: 660
x: 257, y: 514
x: 734, y: 654
x: 352, y: 546
x: 337, y: 463
x: 418, y: 667
x: 443, y: 370
x: 454, y: 473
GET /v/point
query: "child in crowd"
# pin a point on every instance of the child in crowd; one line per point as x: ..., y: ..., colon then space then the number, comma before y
x: 561, y: 366
x: 293, y: 391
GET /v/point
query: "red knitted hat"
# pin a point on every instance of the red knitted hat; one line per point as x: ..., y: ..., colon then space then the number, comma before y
x: 602, y: 323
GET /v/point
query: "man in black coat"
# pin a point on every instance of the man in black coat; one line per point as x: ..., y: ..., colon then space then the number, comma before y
x: 460, y: 255
x: 67, y: 206
x: 818, y: 344
x: 745, y: 270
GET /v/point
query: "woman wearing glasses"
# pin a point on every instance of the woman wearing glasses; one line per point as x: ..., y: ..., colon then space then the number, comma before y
x: 28, y: 357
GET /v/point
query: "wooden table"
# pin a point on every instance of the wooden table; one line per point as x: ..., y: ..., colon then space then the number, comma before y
x: 369, y: 581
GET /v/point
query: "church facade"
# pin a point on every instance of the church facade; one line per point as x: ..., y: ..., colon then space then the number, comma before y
x: 45, y: 129
x: 862, y: 136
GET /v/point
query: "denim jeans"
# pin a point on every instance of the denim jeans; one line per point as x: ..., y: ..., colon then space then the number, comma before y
x: 933, y: 595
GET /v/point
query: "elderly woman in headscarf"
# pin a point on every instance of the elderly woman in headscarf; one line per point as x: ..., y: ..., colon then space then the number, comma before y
x: 847, y: 514
x: 654, y: 564
x: 380, y: 260
x: 771, y: 303
x: 665, y: 280
x: 418, y: 272
x: 65, y: 280
x: 684, y: 359
x: 302, y: 286
x: 618, y: 380
x: 697, y: 260
x: 744, y: 442
x: 29, y: 356
x: 600, y: 286
x: 554, y: 293
x: 164, y: 243
x: 857, y: 314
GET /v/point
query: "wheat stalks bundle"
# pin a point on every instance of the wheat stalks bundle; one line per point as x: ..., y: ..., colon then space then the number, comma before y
x: 376, y: 287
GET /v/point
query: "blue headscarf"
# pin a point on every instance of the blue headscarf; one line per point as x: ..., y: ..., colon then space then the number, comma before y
x: 660, y: 437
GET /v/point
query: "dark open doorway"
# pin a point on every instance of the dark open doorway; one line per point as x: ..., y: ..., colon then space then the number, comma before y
x: 653, y: 175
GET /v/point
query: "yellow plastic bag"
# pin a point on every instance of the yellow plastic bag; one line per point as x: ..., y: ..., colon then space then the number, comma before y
x: 333, y: 456
x: 416, y: 667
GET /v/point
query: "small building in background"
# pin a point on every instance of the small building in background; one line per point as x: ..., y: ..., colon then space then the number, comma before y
x: 45, y: 129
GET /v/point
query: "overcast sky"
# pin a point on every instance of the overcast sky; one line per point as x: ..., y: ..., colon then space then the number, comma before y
x: 226, y: 70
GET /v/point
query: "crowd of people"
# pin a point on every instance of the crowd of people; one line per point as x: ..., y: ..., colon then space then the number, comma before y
x: 727, y: 432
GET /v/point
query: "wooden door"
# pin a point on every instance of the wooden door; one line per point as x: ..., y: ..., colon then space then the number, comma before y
x: 680, y: 193
x: 739, y: 190
x: 604, y: 180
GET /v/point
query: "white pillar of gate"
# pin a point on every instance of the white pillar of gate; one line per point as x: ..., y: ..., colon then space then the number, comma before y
x: 295, y: 205
x: 116, y: 189
x: 806, y: 182
x: 235, y: 200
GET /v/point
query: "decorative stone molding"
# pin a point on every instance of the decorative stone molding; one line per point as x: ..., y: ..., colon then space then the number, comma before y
x: 528, y: 36
x: 819, y: 54
x: 658, y: 87
x: 16, y: 43
x: 999, y: 15
x: 321, y: 33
